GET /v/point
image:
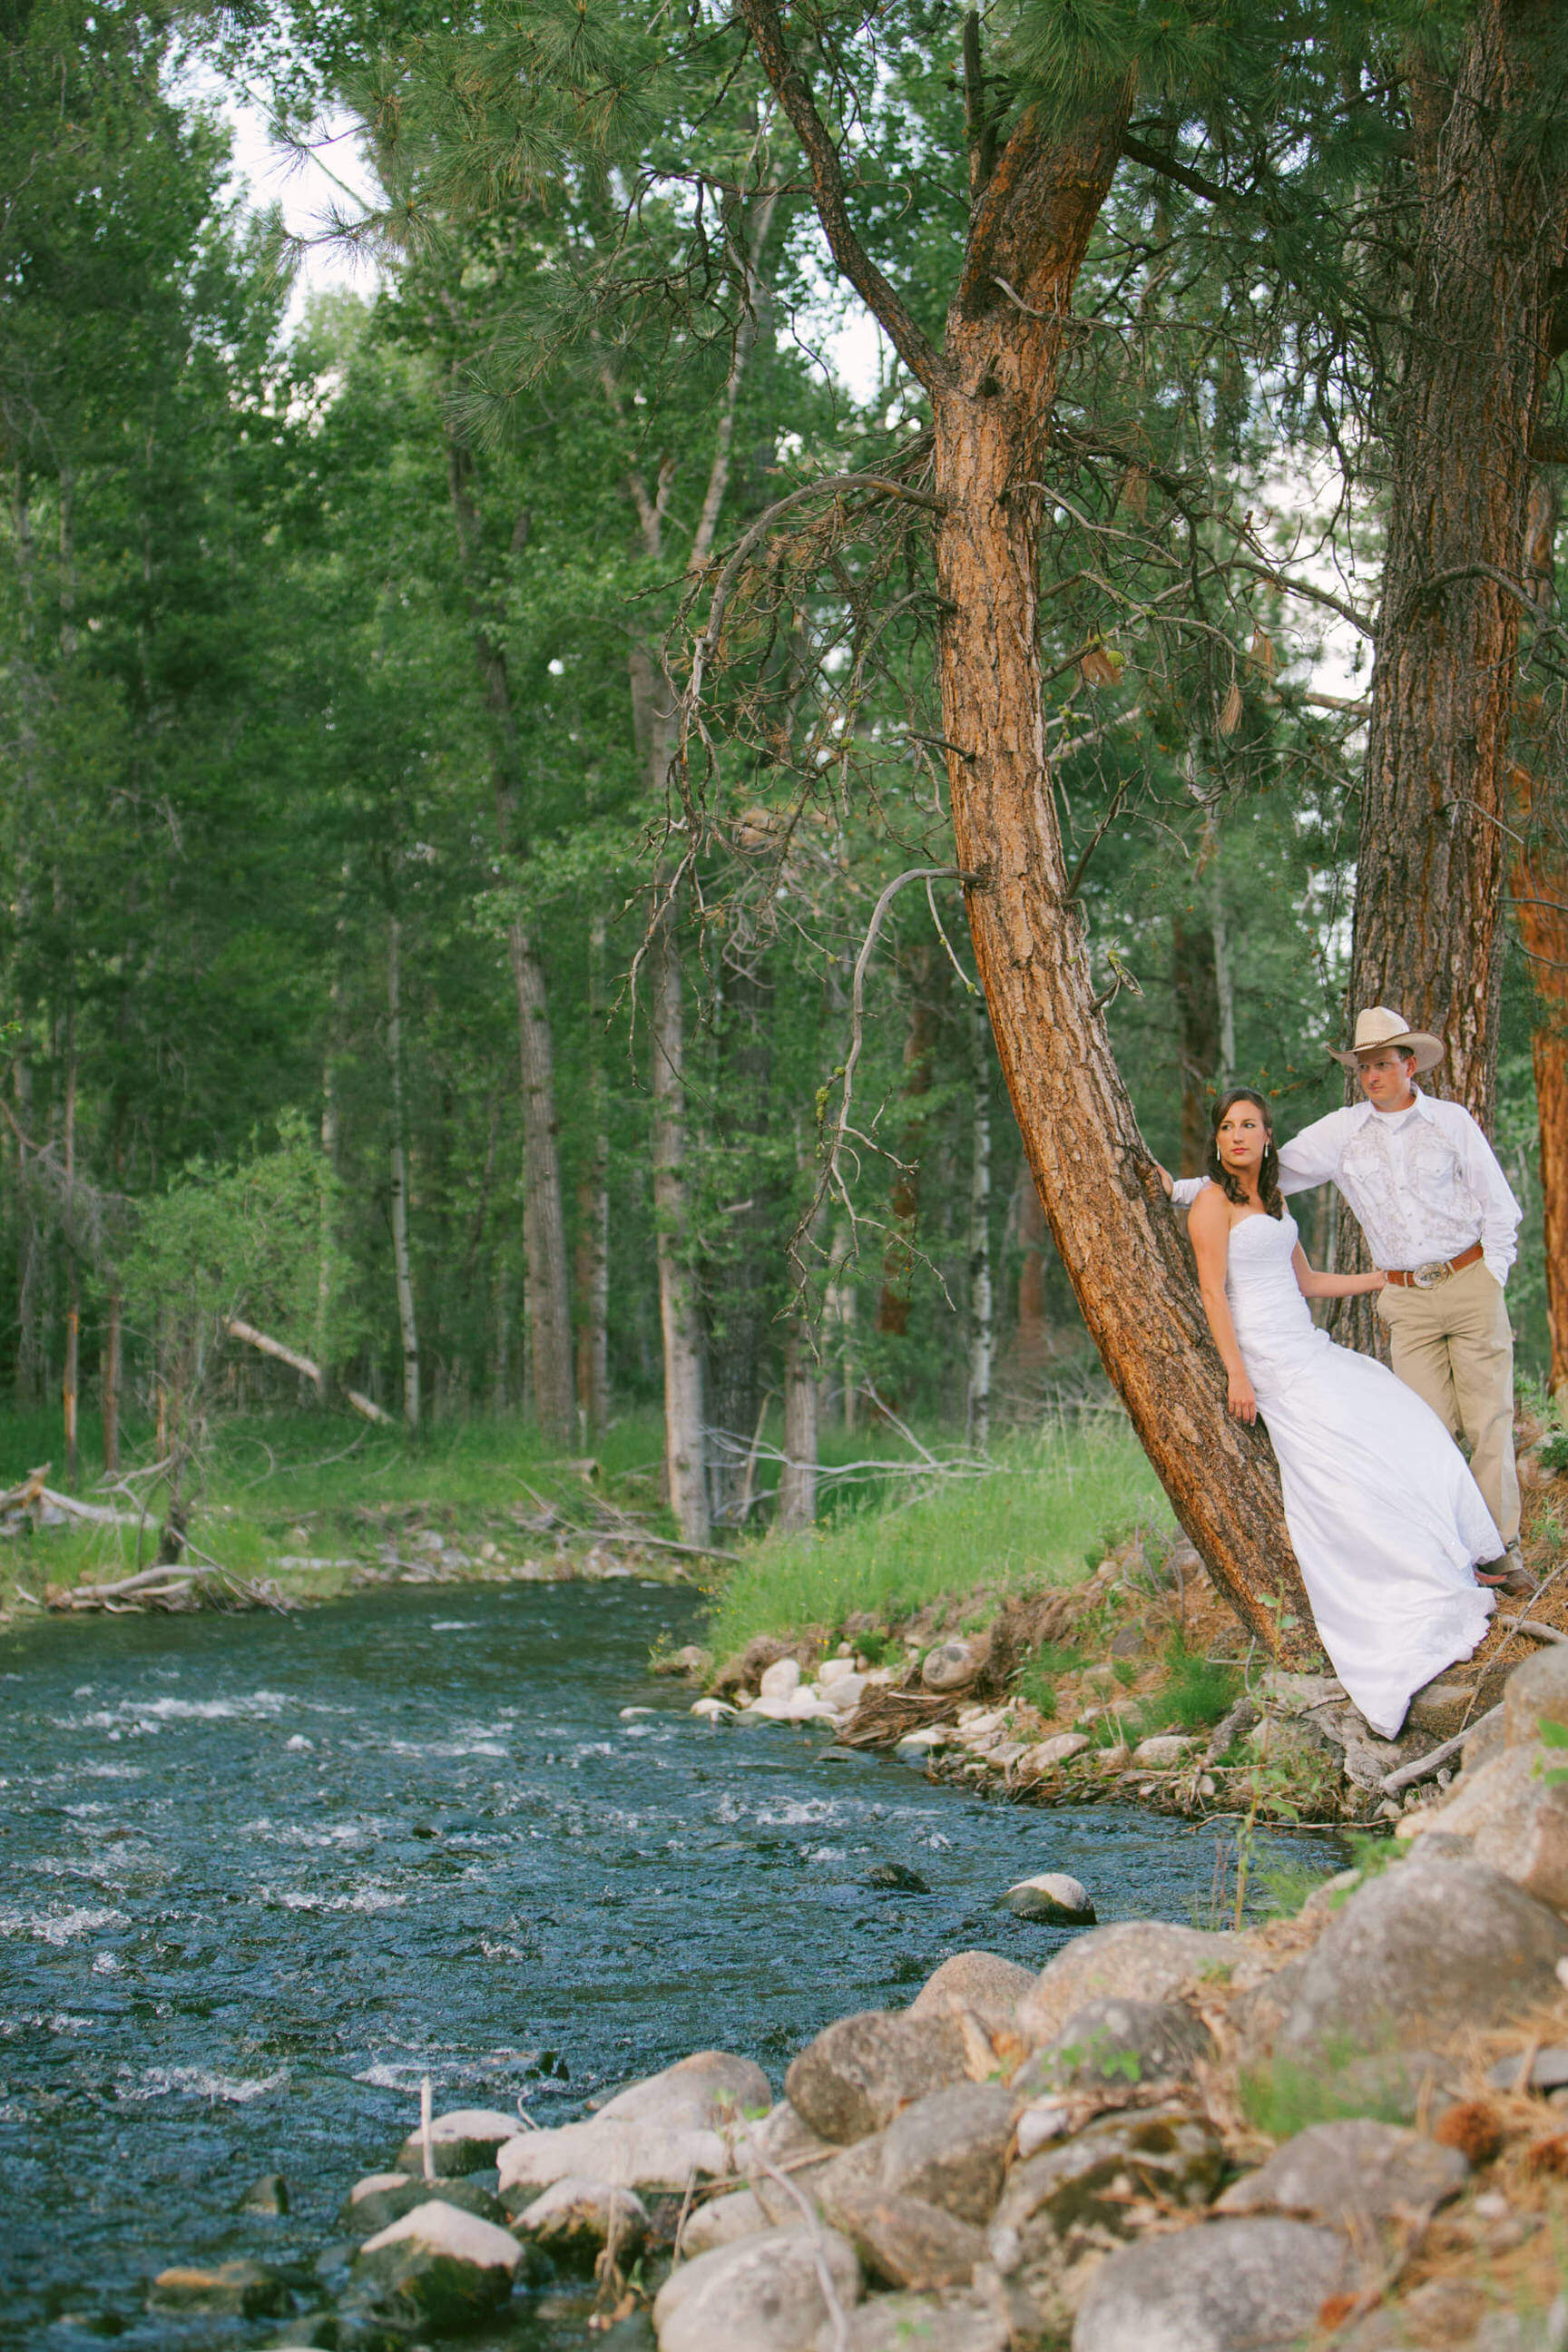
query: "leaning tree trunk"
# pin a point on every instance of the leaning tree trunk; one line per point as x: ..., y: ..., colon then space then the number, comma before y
x: 992, y: 387
x: 1431, y: 868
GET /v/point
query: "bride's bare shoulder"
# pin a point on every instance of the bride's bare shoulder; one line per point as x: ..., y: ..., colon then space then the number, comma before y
x: 1210, y: 1214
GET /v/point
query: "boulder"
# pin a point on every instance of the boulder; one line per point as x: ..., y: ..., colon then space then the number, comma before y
x: 950, y: 1666
x: 239, y: 2290
x: 713, y: 1710
x: 1537, y: 1689
x: 859, y: 2072
x: 702, y: 2093
x: 1053, y: 1897
x: 1485, y: 1740
x: 1045, y: 1755
x: 906, y: 2243
x: 782, y: 2144
x: 1082, y: 2186
x: 844, y: 1693
x: 1119, y: 2042
x: 1138, y: 1959
x: 576, y: 2217
x: 1516, y: 1821
x: 721, y: 2222
x: 764, y: 2293
x: 465, y: 2140
x: 1548, y: 2071
x: 850, y: 2183
x: 896, y: 1878
x: 953, y: 2321
x: 781, y: 1680
x: 989, y: 1986
x: 950, y: 2149
x: 628, y: 2155
x: 1353, y: 2176
x: 1231, y: 2287
x: 385, y: 2197
x: 744, y: 1671
x: 1441, y: 1707
x: 269, y: 2195
x: 1163, y: 1750
x: 453, y: 2268
x: 1437, y: 1942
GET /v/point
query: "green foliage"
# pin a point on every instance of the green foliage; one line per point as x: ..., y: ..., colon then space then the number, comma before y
x: 1285, y: 2097
x: 1195, y: 1692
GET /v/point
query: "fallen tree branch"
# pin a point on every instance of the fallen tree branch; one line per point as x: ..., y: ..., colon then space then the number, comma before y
x: 1424, y: 1765
x: 298, y: 1363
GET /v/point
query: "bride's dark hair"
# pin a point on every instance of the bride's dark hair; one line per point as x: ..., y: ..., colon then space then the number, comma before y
x: 1267, y: 1174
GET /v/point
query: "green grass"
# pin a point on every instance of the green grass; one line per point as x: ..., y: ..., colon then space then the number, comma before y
x: 300, y: 1484
x: 1195, y: 1692
x: 1031, y: 1523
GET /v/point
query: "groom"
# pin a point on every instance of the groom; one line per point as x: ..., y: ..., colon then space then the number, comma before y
x: 1440, y: 1220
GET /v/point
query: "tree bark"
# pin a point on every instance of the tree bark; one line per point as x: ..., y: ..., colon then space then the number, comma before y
x: 992, y: 388
x: 407, y: 1326
x: 904, y: 1206
x: 593, y: 1269
x: 680, y: 1313
x: 543, y: 1214
x: 1490, y: 244
x: 1197, y: 1033
x: 797, y: 1479
x: 981, y: 1321
x: 109, y: 1380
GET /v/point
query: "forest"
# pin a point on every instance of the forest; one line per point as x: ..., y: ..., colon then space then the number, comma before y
x: 562, y: 860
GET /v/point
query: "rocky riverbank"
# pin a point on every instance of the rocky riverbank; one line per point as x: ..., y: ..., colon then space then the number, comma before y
x: 1346, y: 2128
x: 1136, y: 1685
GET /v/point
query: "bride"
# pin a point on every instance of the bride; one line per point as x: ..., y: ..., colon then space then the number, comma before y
x: 1387, y: 1521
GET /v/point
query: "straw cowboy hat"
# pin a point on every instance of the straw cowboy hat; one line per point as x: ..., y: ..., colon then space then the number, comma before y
x: 1377, y: 1027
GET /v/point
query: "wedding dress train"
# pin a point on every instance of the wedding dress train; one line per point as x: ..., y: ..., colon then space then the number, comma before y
x: 1387, y: 1521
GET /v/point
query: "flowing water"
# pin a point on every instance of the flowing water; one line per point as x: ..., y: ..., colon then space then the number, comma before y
x: 257, y: 1878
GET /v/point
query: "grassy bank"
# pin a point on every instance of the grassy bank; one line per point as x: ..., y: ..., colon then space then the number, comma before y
x: 1055, y: 1501
x: 280, y: 1490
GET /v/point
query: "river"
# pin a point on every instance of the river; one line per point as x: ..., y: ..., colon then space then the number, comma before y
x: 259, y: 1876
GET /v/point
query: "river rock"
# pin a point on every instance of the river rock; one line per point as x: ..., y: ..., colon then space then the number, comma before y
x: 1162, y: 1752
x: 1231, y: 2286
x: 781, y: 1680
x: 1081, y: 2184
x: 576, y: 2217
x: 465, y: 2140
x: 989, y: 1986
x: 455, y: 2269
x: 269, y: 2195
x: 782, y: 2144
x: 1516, y: 1819
x: 702, y: 2093
x: 1484, y: 1741
x: 950, y: 1666
x: 950, y: 2320
x: 385, y: 2196
x: 1053, y: 1897
x: 763, y: 2294
x: 1119, y: 2042
x: 241, y: 2290
x: 713, y: 1710
x: 906, y: 2243
x: 859, y: 2072
x: 1438, y: 1942
x: 1352, y: 2175
x: 1047, y: 1754
x: 1548, y: 2071
x: 1537, y: 1689
x: 1137, y: 1959
x: 627, y: 2154
x: 722, y: 2221
x: 950, y: 2149
x: 844, y: 1693
x: 920, y: 1746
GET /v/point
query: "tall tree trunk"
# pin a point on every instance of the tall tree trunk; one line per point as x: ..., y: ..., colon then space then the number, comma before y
x: 681, y: 1314
x: 1486, y: 280
x: 1197, y: 1033
x: 742, y: 1270
x: 1540, y: 882
x: 981, y: 1331
x: 110, y: 1378
x: 408, y: 1329
x: 594, y: 1212
x: 70, y: 1387
x: 797, y: 1479
x: 326, y: 1235
x: 992, y: 388
x: 543, y: 1214
x: 904, y: 1206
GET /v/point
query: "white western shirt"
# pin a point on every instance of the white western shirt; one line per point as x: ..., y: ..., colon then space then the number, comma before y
x: 1423, y: 1183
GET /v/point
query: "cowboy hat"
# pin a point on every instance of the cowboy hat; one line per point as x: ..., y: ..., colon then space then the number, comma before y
x: 1377, y: 1027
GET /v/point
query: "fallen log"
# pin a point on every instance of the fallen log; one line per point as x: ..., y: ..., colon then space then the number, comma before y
x: 1424, y: 1765
x: 296, y: 1362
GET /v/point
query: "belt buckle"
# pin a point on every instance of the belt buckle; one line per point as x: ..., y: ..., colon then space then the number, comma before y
x: 1428, y: 1276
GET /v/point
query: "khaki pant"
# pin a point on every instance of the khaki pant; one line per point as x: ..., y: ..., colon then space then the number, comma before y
x: 1453, y: 1345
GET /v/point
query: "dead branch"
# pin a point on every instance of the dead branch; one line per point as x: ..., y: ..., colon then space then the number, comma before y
x: 298, y: 1363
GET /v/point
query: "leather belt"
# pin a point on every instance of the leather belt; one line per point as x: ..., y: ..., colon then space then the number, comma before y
x: 1427, y: 1278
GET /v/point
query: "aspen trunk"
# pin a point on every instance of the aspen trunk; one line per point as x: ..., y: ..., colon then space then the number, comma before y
x: 110, y: 1382
x: 70, y: 1385
x: 980, y: 1308
x: 1489, y: 248
x: 685, y: 1414
x: 326, y: 1236
x: 797, y: 1479
x: 408, y: 1328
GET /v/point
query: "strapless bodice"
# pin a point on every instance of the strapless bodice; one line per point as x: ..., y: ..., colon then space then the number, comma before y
x: 1273, y: 1322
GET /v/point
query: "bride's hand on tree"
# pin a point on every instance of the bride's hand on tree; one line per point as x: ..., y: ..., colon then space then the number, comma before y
x: 1239, y: 1399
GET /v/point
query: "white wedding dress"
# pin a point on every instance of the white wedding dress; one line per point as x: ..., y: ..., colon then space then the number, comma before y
x: 1386, y: 1521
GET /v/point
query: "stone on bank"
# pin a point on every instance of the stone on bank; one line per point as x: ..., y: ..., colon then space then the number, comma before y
x: 1052, y: 1898
x: 448, y: 2265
